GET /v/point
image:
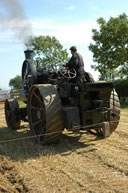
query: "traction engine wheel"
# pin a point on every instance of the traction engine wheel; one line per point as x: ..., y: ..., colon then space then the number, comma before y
x: 45, y: 113
x: 115, y: 112
x: 114, y: 115
x: 12, y: 112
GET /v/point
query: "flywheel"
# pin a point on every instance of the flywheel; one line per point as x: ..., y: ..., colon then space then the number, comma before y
x: 45, y: 113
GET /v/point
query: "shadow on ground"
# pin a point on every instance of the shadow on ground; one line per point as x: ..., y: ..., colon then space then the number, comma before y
x: 19, y: 145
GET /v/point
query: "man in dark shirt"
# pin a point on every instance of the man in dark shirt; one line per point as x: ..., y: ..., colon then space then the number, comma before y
x: 77, y: 63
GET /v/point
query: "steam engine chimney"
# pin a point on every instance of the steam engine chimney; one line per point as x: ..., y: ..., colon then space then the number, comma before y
x: 29, y: 54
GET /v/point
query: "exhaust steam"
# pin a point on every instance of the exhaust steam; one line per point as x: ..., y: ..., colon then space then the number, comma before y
x: 12, y: 17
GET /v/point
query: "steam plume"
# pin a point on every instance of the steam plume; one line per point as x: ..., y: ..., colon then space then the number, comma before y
x: 12, y: 17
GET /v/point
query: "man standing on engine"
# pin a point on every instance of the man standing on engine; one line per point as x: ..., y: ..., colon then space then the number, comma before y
x: 77, y: 63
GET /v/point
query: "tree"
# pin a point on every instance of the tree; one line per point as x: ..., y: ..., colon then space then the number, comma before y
x: 110, y: 47
x: 49, y: 52
x: 121, y: 88
x: 16, y: 82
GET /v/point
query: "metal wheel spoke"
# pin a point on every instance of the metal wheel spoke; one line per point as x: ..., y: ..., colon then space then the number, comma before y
x: 69, y: 75
x: 65, y: 72
x: 72, y: 73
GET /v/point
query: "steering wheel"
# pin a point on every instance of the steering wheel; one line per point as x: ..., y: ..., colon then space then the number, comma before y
x: 69, y: 74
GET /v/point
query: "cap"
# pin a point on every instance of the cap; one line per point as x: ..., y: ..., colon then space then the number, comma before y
x: 73, y: 48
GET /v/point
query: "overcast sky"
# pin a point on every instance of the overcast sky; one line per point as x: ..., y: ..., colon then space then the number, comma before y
x: 70, y: 21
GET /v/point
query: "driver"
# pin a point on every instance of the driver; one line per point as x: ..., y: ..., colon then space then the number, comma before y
x: 77, y: 63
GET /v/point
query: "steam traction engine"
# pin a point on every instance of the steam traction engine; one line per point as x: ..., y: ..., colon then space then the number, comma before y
x: 55, y: 101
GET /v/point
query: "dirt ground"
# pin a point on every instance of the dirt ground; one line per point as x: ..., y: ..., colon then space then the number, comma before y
x: 79, y: 163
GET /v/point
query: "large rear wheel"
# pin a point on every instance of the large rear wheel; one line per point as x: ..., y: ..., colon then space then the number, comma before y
x: 45, y: 113
x: 115, y: 111
x: 113, y: 117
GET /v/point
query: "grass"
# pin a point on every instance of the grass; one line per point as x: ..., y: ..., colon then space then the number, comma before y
x: 124, y: 105
x: 77, y: 163
x: 7, y: 134
x: 21, y: 103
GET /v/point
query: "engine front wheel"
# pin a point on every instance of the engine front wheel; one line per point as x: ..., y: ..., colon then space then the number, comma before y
x: 45, y: 113
x: 12, y: 113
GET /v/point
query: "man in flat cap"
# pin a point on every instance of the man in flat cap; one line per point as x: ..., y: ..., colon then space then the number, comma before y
x: 77, y: 63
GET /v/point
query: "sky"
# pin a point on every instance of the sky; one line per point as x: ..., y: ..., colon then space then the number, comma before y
x: 70, y: 21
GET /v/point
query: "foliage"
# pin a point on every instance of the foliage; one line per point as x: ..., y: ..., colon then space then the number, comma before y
x: 49, y: 52
x: 121, y: 87
x: 110, y: 47
x: 124, y: 105
x: 16, y: 82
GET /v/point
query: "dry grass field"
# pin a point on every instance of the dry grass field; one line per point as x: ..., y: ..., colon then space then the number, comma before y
x: 79, y: 163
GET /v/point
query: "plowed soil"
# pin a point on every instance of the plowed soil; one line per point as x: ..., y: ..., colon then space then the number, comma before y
x: 79, y: 163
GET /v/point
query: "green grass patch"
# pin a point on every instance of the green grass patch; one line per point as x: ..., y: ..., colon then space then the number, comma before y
x: 5, y: 134
x: 21, y: 103
x: 124, y: 105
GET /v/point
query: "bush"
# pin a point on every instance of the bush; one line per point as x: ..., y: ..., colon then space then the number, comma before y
x: 121, y: 87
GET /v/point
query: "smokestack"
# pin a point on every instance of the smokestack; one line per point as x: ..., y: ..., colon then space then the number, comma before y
x: 29, y: 54
x: 12, y: 17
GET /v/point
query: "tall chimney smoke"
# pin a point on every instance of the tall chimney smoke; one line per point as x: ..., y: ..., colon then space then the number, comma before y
x: 12, y: 17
